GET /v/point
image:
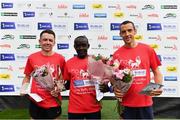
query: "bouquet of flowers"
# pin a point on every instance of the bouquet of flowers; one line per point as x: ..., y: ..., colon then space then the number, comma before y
x: 121, y: 79
x: 99, y: 73
x: 43, y: 76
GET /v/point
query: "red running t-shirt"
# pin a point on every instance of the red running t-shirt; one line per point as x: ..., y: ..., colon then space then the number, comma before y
x: 140, y: 59
x: 38, y: 59
x: 82, y: 98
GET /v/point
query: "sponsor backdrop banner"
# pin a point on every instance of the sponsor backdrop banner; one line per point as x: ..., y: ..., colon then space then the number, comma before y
x: 22, y: 21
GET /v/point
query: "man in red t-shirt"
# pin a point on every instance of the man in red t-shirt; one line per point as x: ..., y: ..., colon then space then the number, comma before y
x: 48, y: 108
x: 82, y: 97
x: 140, y: 58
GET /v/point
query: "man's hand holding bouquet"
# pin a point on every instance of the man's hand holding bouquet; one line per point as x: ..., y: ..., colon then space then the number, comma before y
x: 43, y: 76
x: 106, y: 70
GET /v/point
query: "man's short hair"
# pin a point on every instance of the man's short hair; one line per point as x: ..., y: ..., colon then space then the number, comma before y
x: 49, y: 32
x: 126, y: 22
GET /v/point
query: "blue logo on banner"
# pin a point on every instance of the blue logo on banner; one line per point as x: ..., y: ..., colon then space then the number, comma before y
x: 79, y: 6
x: 6, y: 5
x: 7, y: 57
x: 170, y: 78
x: 154, y: 26
x: 81, y: 26
x: 100, y: 15
x: 28, y: 14
x: 6, y: 88
x: 117, y: 38
x: 63, y: 46
x: 44, y: 26
x: 115, y: 26
x: 8, y: 25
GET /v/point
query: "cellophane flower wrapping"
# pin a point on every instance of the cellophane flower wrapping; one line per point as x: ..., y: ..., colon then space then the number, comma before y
x: 43, y: 76
x: 99, y: 73
x: 122, y: 79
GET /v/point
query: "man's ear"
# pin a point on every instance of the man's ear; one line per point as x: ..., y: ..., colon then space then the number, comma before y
x: 39, y: 40
x: 135, y: 31
x: 88, y: 45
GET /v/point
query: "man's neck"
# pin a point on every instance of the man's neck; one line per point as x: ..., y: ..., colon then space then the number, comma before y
x: 47, y: 53
x: 131, y: 45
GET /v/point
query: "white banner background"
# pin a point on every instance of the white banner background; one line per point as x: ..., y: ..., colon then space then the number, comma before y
x: 98, y: 20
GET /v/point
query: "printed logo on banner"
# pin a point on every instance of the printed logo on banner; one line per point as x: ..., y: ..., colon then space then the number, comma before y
x: 117, y: 7
x: 99, y: 47
x: 5, y: 76
x: 7, y: 57
x: 171, y: 69
x: 24, y: 46
x: 62, y: 6
x: 8, y: 37
x: 43, y: 6
x: 136, y: 15
x: 157, y: 38
x: 96, y: 26
x: 22, y: 5
x: 60, y: 26
x: 138, y: 37
x: 24, y: 26
x: 102, y: 37
x: 170, y: 58
x: 154, y: 26
x: 7, y: 88
x: 100, y: 15
x: 28, y: 14
x: 171, y: 47
x: 118, y: 14
x: 43, y: 26
x: 170, y: 15
x: 21, y: 57
x: 81, y: 26
x: 154, y: 46
x: 8, y: 25
x: 168, y: 6
x: 170, y: 78
x: 27, y: 36
x: 153, y: 15
x: 37, y: 46
x: 83, y: 15
x: 115, y: 37
x: 64, y: 37
x: 131, y: 6
x: 148, y: 7
x: 79, y: 6
x: 170, y: 27
x: 5, y: 46
x: 45, y: 14
x: 6, y: 5
x: 115, y: 26
x: 62, y: 46
x: 64, y: 15
x: 172, y: 37
x: 6, y: 67
x: 170, y: 90
x: 9, y: 14
x: 97, y: 6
